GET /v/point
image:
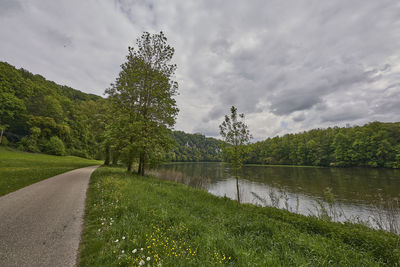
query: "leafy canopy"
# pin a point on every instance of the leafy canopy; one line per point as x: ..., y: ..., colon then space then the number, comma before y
x: 142, y: 102
x: 236, y: 134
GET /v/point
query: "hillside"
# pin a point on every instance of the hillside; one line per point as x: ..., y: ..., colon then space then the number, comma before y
x: 39, y: 115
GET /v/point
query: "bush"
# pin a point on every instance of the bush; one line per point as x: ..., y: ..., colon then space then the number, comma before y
x: 55, y: 146
x: 28, y: 144
x: 79, y: 153
x: 4, y: 141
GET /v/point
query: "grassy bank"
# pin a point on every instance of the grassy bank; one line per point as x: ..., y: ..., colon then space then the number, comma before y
x: 132, y: 220
x: 19, y: 169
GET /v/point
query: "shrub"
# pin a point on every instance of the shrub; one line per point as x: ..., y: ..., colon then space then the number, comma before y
x: 79, y: 153
x: 55, y: 146
x: 4, y: 141
x: 28, y: 144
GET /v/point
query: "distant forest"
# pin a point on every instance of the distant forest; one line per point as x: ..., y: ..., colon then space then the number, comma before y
x: 38, y: 115
x: 373, y: 145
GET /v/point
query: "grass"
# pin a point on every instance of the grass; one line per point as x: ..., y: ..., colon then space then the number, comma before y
x: 132, y: 220
x: 19, y: 169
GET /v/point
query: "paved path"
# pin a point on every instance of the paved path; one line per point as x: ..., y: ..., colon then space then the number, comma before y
x: 41, y: 224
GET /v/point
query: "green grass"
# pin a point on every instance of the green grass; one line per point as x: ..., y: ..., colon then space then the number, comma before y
x: 181, y: 226
x: 19, y: 169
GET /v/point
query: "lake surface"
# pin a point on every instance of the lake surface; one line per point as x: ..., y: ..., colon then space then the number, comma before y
x: 367, y: 194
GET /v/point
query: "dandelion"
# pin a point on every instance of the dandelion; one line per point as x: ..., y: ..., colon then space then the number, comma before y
x: 148, y: 258
x: 141, y: 263
x: 134, y: 251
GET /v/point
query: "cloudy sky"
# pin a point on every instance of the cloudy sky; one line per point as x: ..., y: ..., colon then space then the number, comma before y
x: 288, y: 65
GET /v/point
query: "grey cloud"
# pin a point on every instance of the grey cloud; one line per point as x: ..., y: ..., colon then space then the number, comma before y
x: 299, y: 118
x: 310, y: 63
x: 10, y: 7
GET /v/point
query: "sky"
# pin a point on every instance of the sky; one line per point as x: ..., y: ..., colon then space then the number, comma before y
x: 289, y: 66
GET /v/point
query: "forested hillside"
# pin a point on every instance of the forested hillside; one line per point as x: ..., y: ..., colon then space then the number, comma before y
x: 374, y: 145
x: 194, y: 147
x: 38, y: 115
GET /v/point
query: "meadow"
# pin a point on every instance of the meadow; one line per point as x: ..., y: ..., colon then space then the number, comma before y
x: 19, y: 169
x: 132, y: 221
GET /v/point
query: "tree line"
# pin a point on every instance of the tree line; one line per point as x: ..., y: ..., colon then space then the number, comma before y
x: 375, y: 144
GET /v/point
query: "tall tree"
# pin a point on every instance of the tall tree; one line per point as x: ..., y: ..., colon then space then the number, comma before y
x: 142, y: 99
x: 236, y: 134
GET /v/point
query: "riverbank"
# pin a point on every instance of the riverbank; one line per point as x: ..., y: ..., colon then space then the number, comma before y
x: 131, y: 220
x: 19, y: 169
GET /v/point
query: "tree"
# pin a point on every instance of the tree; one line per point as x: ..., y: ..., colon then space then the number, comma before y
x: 142, y: 102
x: 236, y: 134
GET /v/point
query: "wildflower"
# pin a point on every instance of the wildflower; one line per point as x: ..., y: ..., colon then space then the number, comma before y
x: 141, y: 263
x: 123, y: 251
x: 148, y: 258
x: 102, y: 223
x: 123, y: 238
x: 141, y: 249
x: 134, y: 251
x: 99, y: 230
x: 110, y: 223
x: 116, y: 241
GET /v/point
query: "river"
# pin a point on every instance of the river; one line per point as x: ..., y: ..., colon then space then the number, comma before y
x: 344, y: 194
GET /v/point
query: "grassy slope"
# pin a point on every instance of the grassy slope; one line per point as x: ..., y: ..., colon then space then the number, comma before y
x: 182, y: 226
x: 19, y: 169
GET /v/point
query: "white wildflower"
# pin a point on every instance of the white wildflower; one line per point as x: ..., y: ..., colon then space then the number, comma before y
x: 141, y: 263
x: 123, y: 251
x: 134, y: 251
x: 123, y: 238
x: 116, y: 241
x: 148, y: 258
x: 141, y: 249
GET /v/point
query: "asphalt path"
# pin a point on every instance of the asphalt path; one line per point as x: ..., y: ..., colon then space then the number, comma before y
x: 41, y: 224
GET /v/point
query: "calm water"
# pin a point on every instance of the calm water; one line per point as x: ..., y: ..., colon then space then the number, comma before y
x: 367, y: 194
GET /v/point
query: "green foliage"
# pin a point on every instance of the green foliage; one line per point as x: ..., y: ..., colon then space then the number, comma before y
x: 142, y: 103
x: 19, y: 169
x: 236, y: 135
x: 181, y: 226
x: 373, y: 145
x: 54, y: 146
x: 29, y: 101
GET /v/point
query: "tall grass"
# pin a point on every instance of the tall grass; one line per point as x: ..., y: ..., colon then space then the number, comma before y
x: 132, y: 220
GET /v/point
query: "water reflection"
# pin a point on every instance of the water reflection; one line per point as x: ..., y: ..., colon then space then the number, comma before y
x: 295, y: 189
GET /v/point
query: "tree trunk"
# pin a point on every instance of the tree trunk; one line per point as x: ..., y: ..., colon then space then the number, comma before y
x: 1, y: 135
x: 107, y: 159
x: 237, y: 190
x: 141, y: 163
